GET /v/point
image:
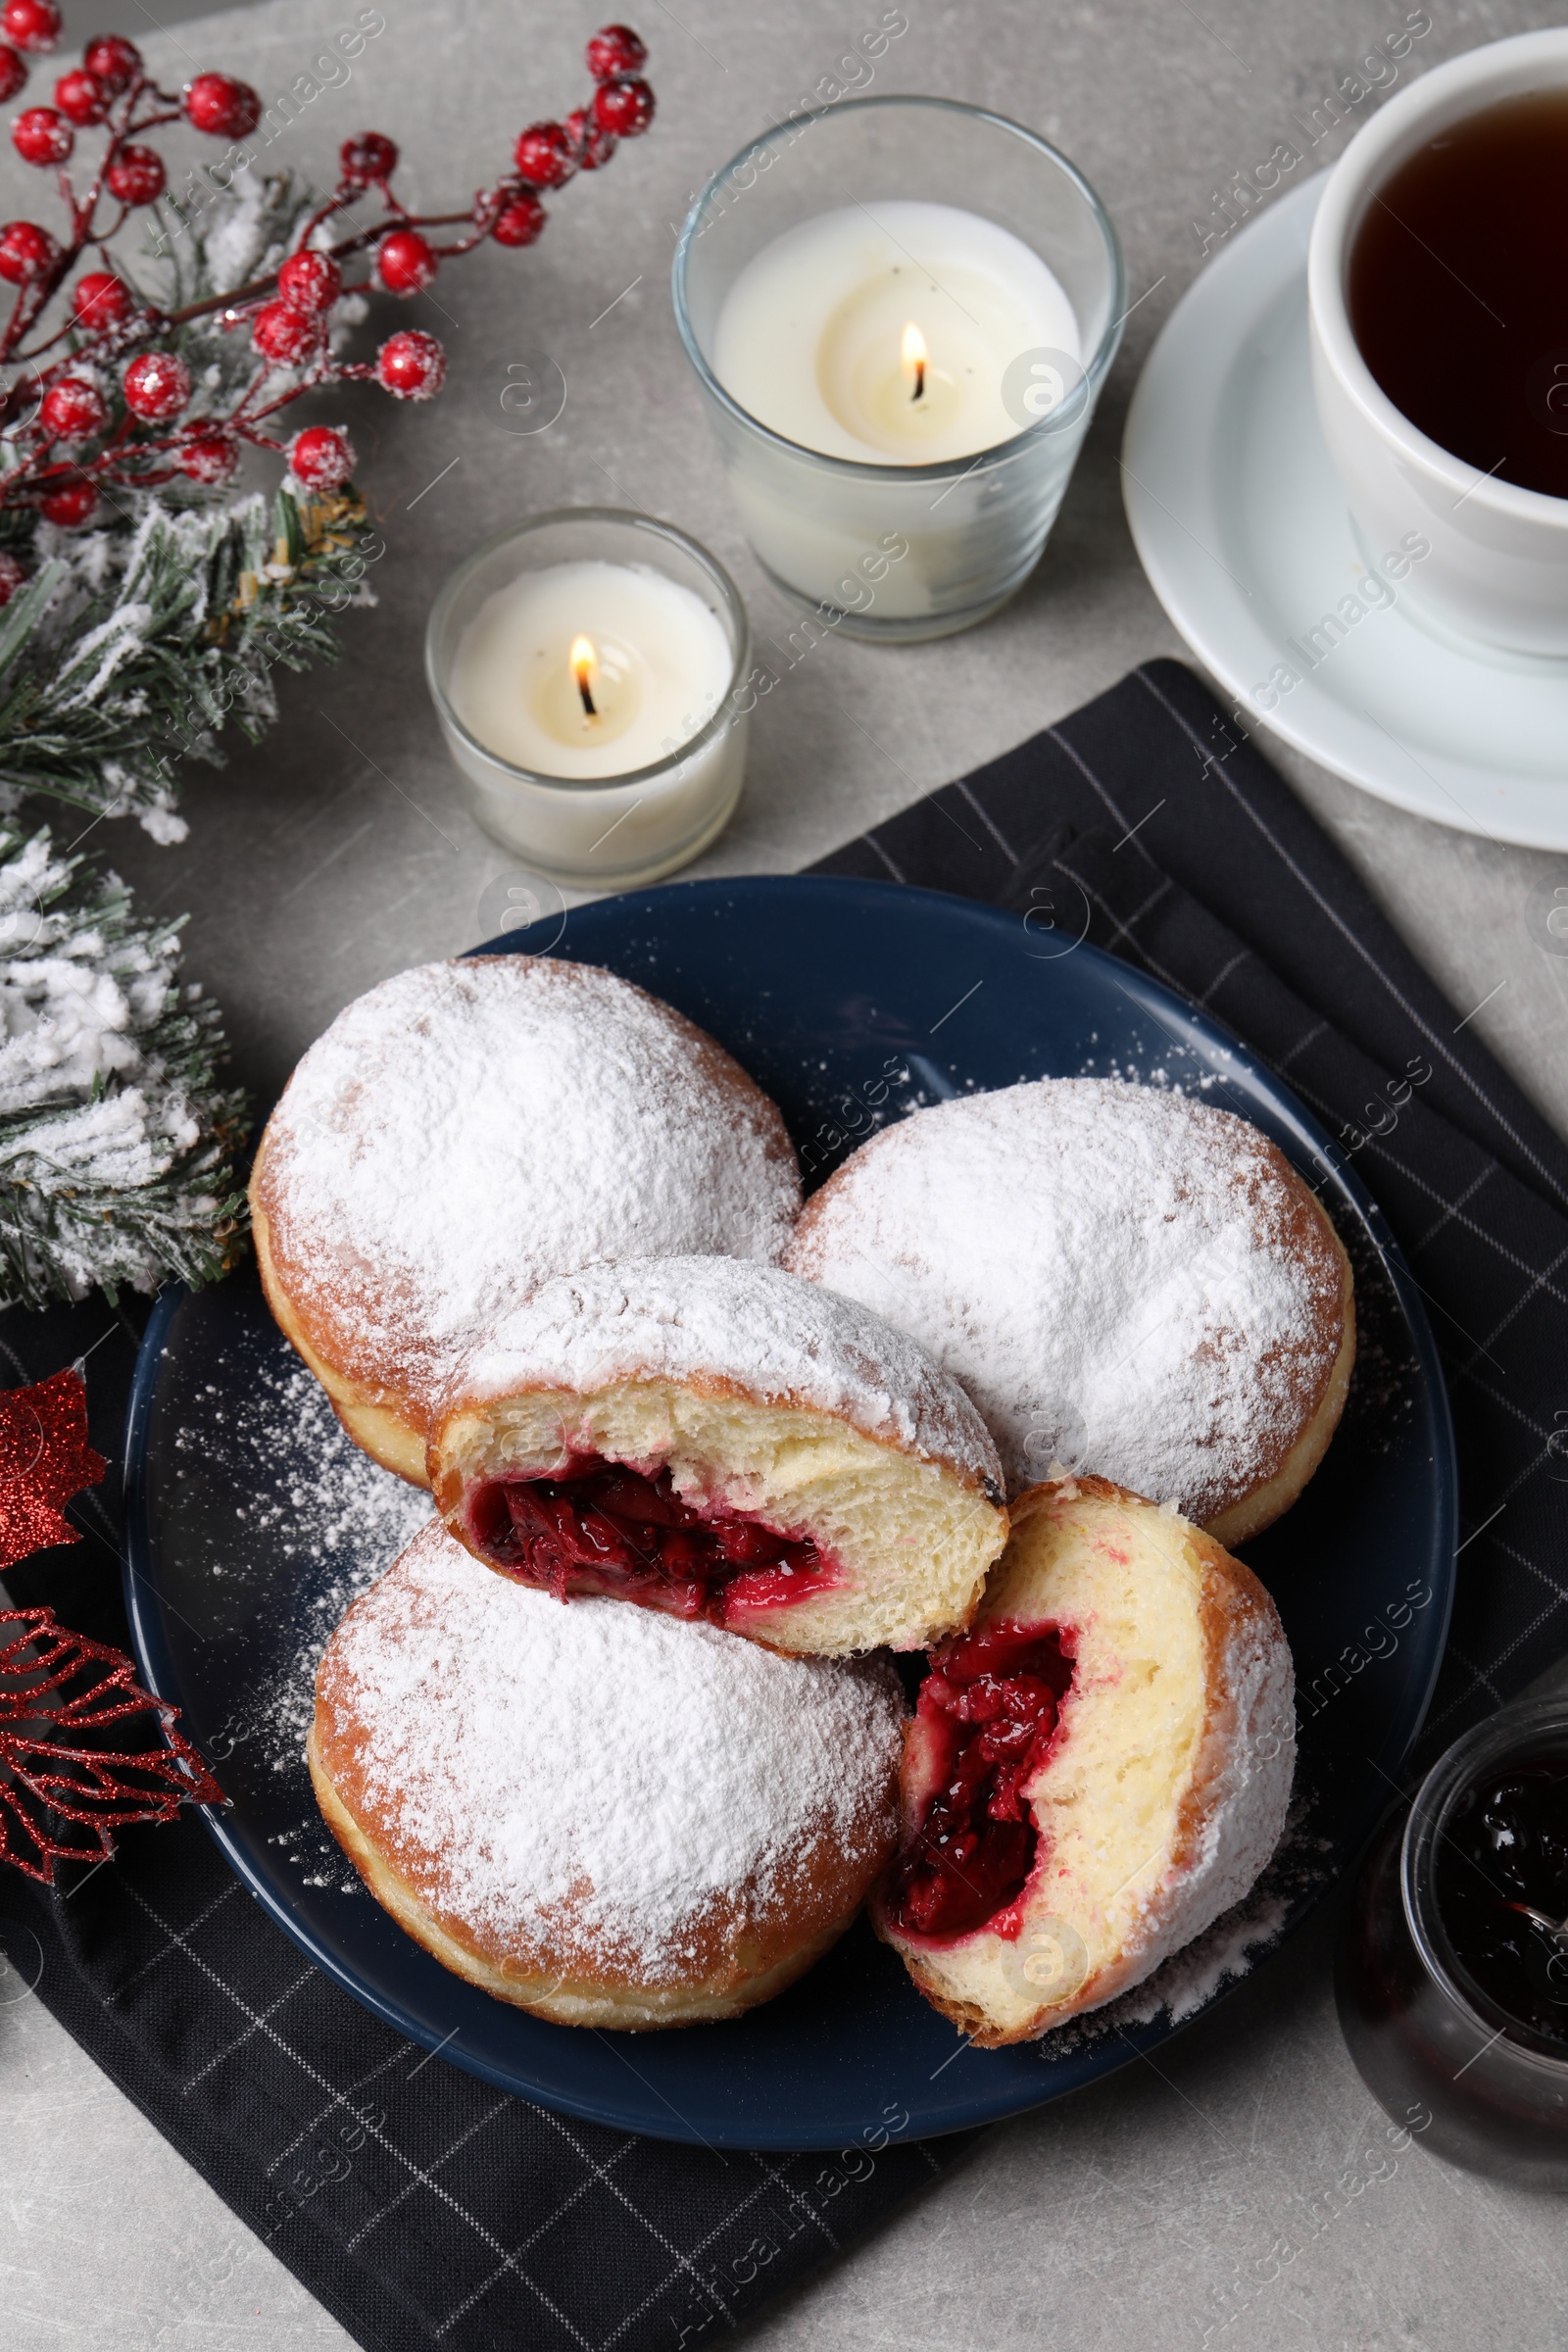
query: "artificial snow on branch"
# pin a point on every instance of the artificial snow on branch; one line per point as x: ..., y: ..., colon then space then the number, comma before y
x: 128, y: 650
x: 117, y: 1147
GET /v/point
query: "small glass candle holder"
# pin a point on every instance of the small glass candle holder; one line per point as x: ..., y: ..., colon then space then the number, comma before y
x: 588, y: 667
x: 1464, y: 2049
x: 974, y: 205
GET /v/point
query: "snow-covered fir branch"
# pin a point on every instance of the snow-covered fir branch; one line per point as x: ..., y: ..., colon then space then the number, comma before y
x: 132, y: 648
x: 116, y: 1145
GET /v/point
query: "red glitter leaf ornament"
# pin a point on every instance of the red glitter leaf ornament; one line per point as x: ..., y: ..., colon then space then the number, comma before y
x: 45, y: 1460
x: 64, y: 1790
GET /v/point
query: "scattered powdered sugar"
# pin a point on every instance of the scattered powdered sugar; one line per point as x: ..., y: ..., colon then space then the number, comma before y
x: 599, y: 1776
x: 1194, y: 1974
x: 1302, y: 1865
x: 1113, y: 1263
x: 775, y: 1336
x: 303, y: 1492
x: 466, y: 1129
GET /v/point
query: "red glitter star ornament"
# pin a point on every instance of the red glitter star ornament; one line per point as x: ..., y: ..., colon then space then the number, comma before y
x: 45, y: 1460
x: 64, y: 1789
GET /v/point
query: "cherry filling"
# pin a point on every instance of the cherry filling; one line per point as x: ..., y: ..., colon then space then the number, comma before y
x: 601, y: 1527
x: 985, y: 1722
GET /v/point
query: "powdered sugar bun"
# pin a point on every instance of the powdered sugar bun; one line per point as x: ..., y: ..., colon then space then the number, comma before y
x: 599, y: 1814
x: 1152, y: 1794
x: 1125, y: 1281
x: 465, y: 1130
x: 718, y: 1440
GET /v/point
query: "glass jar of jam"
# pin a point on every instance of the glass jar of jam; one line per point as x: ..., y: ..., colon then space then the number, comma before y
x: 1453, y: 1971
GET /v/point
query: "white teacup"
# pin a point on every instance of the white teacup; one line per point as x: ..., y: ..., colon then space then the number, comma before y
x: 1498, y: 565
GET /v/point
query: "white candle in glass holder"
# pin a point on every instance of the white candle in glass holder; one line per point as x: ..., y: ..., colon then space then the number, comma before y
x: 882, y: 333
x: 890, y: 335
x: 590, y: 670
x: 588, y: 703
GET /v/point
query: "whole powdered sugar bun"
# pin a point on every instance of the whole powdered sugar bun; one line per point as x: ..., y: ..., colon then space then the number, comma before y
x: 1126, y: 1282
x: 464, y: 1131
x: 717, y: 1440
x: 599, y: 1814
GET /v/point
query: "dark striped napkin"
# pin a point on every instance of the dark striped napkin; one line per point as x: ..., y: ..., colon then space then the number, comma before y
x: 424, y: 2209
x: 1146, y: 823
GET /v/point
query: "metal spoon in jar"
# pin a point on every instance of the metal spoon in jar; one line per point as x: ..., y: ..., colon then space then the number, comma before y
x: 1554, y: 1927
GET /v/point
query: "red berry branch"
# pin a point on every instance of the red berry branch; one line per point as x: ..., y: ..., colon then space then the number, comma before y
x: 115, y: 405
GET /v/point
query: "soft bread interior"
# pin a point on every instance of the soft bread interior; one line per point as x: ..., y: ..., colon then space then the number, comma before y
x: 914, y: 1543
x: 566, y: 1999
x: 1165, y: 1792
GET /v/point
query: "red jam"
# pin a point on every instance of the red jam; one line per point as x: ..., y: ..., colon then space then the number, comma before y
x: 1502, y: 1870
x: 601, y: 1527
x: 985, y: 1722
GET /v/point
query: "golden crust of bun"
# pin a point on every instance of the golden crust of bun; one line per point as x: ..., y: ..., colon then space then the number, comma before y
x: 387, y: 1423
x: 1281, y: 1481
x: 735, y: 1979
x: 1166, y: 1790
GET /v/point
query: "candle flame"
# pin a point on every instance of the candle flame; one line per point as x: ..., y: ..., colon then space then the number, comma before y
x: 914, y: 360
x: 584, y: 663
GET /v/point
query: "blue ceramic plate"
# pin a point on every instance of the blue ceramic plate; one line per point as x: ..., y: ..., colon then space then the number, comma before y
x: 851, y: 1002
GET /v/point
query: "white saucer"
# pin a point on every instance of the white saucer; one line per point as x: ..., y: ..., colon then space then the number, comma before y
x: 1242, y: 530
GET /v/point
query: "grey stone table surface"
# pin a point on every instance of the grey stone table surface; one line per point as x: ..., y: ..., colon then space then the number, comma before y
x: 1244, y: 2190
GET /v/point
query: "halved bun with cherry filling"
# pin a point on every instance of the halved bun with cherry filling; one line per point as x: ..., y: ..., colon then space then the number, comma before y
x: 720, y: 1440
x: 1095, y: 1772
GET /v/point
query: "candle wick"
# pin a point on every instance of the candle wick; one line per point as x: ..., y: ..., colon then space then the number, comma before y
x: 920, y: 380
x: 586, y: 690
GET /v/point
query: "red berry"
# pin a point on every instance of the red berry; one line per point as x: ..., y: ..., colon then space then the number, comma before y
x: 623, y: 108
x: 283, y: 334
x: 616, y: 50
x: 11, y: 578
x: 157, y: 386
x: 13, y: 74
x: 74, y: 409
x: 321, y: 457
x: 591, y: 145
x: 100, y: 299
x: 520, y: 222
x: 26, y: 252
x: 40, y: 137
x: 224, y: 108
x: 116, y: 62
x: 208, y: 458
x: 412, y: 365
x: 136, y: 176
x: 367, y: 159
x: 309, y: 281
x: 82, y: 98
x: 70, y: 502
x: 31, y: 23
x: 405, y: 261
x: 543, y: 155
